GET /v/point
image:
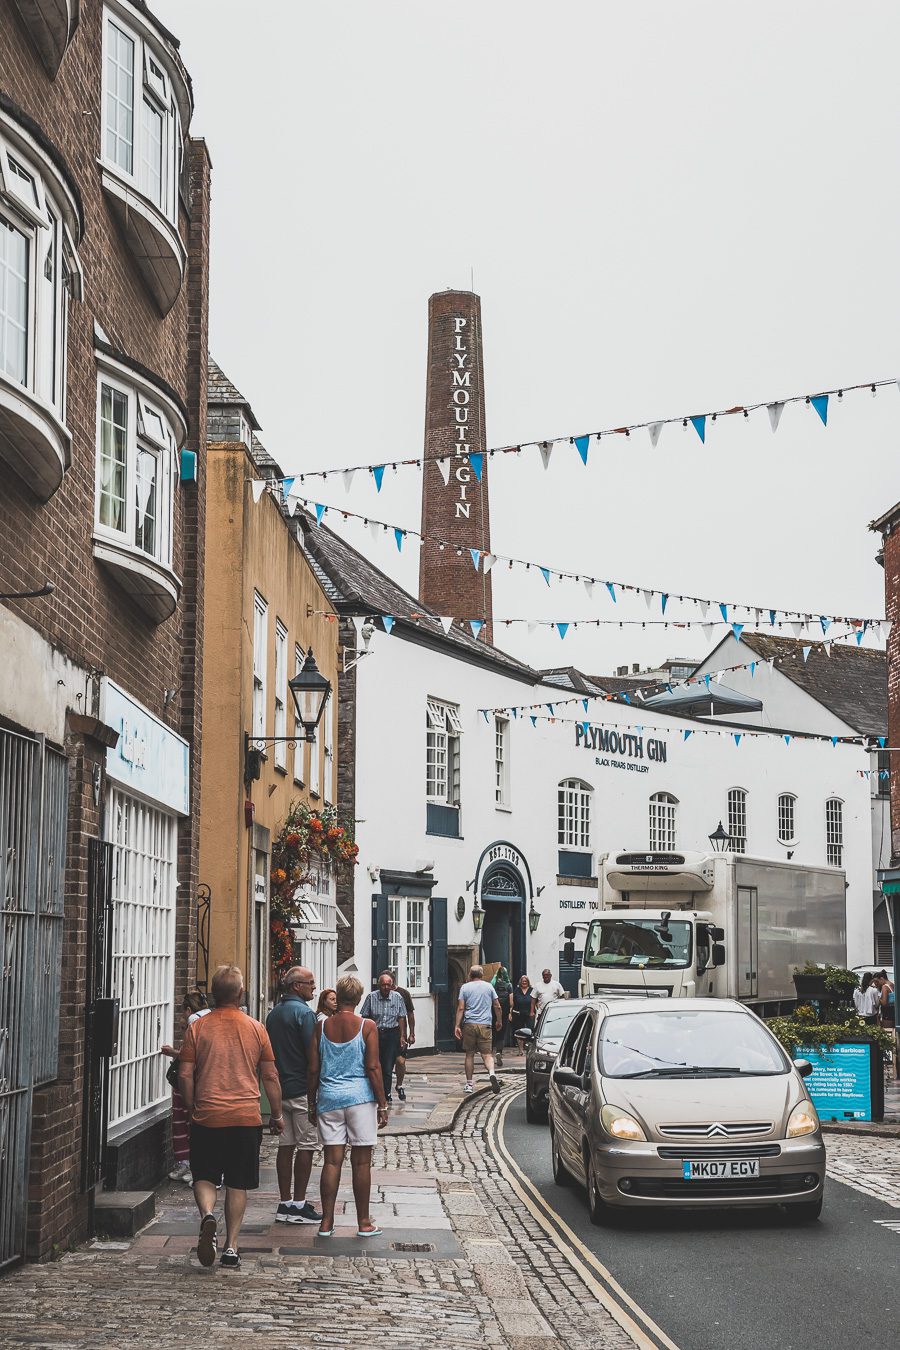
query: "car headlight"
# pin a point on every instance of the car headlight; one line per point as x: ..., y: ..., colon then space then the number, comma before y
x: 618, y: 1124
x: 802, y: 1120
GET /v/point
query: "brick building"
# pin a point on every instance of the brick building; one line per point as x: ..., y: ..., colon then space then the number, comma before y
x: 888, y: 526
x: 104, y: 200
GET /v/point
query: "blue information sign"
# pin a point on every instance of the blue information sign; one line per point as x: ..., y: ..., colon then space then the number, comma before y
x: 841, y: 1081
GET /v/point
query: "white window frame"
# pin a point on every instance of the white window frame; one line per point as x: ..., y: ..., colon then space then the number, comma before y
x: 787, y: 818
x: 442, y: 753
x: 51, y: 266
x: 260, y: 664
x: 737, y: 819
x: 145, y: 877
x: 574, y: 801
x: 663, y: 822
x: 299, y: 744
x: 834, y: 832
x: 152, y: 96
x: 328, y: 752
x: 138, y: 442
x: 281, y: 691
x: 409, y: 939
x: 501, y: 761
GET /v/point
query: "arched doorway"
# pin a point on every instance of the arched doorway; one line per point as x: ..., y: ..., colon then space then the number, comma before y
x: 503, y: 901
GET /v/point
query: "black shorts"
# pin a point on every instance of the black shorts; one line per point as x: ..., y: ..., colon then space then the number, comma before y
x: 229, y: 1152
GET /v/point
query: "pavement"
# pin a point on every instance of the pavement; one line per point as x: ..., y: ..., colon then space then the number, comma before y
x: 466, y: 1257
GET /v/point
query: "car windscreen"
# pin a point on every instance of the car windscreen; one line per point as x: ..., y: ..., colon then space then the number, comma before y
x: 618, y: 942
x: 687, y: 1043
x: 556, y: 1019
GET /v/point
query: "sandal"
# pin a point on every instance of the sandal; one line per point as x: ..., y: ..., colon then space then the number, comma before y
x: 325, y: 1232
x: 369, y: 1232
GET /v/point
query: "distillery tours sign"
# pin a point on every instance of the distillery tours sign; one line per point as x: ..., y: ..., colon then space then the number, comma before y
x: 620, y: 749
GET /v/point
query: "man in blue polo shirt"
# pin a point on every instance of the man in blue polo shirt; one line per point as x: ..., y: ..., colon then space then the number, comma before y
x: 291, y: 1025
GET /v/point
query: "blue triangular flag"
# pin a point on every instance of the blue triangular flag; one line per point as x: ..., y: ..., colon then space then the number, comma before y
x: 515, y: 712
x: 772, y: 617
x: 752, y: 669
x: 737, y: 629
x: 378, y: 473
x: 820, y: 403
x: 388, y: 622
x: 581, y: 443
x: 550, y: 706
x: 737, y: 737
x: 826, y: 623
x: 476, y: 626
x: 533, y: 719
x: 686, y: 734
x: 477, y: 461
x: 669, y: 689
x: 882, y: 741
x: 398, y: 535
x: 320, y: 511
x: 806, y: 652
x: 706, y: 680
x: 883, y: 774
x: 562, y: 629
x: 584, y: 704
x: 787, y: 740
x: 723, y: 610
x: 699, y: 425
x: 484, y: 714
x: 626, y: 698
x: 834, y: 740
x: 859, y: 636
x: 612, y: 591
x: 664, y: 600
x: 545, y: 573
x: 476, y: 557
x: 286, y: 486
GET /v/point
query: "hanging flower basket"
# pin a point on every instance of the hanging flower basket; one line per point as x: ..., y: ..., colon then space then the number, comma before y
x: 308, y: 840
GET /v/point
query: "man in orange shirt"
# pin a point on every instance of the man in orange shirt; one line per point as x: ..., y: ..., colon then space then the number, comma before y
x: 222, y: 1058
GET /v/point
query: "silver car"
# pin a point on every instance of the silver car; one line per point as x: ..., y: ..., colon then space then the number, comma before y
x: 541, y: 1049
x: 692, y: 1103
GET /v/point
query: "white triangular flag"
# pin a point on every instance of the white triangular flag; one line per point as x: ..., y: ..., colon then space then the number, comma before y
x: 488, y: 561
x: 589, y: 586
x: 444, y: 469
x: 886, y: 627
x: 291, y: 505
x: 797, y: 628
x: 358, y: 621
x: 347, y: 476
x: 774, y: 410
x: 257, y: 487
x: 707, y: 630
x: 546, y: 449
x: 374, y: 527
x: 771, y: 662
x: 704, y: 609
x: 655, y: 428
x: 827, y: 646
x: 531, y: 627
x: 648, y: 598
x: 718, y: 677
x: 446, y: 623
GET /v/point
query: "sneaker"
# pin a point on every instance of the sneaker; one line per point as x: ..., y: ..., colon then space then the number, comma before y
x: 401, y: 1094
x: 207, y: 1242
x: 180, y: 1170
x: 230, y: 1258
x: 499, y: 1061
x: 283, y: 1210
x: 389, y: 1099
x: 305, y: 1213
x: 495, y: 1082
x: 470, y: 1087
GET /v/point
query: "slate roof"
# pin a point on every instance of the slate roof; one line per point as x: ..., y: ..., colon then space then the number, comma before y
x: 219, y: 389
x: 354, y: 585
x: 568, y: 677
x: 851, y: 682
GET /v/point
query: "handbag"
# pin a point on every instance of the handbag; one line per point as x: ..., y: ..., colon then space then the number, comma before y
x: 172, y: 1073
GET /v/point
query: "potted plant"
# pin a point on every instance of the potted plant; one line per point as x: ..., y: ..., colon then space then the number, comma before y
x: 307, y: 839
x: 825, y: 983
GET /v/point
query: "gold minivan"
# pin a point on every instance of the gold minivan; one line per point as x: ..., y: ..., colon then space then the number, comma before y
x: 688, y: 1103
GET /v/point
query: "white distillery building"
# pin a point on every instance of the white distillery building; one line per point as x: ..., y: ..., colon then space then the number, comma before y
x: 455, y: 808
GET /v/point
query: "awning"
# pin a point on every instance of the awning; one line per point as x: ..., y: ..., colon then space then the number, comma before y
x: 703, y: 702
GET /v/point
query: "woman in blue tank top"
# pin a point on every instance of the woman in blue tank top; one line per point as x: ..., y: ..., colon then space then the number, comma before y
x: 346, y: 1098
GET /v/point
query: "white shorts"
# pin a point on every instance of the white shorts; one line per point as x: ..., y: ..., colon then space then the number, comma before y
x: 357, y: 1125
x: 297, y: 1132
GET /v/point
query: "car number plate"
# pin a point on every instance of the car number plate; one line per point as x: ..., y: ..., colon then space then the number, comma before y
x: 717, y: 1169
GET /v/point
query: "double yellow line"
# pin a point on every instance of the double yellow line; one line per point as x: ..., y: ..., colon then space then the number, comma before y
x: 603, y: 1285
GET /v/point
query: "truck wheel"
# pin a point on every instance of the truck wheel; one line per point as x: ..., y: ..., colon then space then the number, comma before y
x: 560, y: 1175
x: 805, y: 1212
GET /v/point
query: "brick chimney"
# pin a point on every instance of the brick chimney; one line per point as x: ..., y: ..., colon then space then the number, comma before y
x: 457, y: 510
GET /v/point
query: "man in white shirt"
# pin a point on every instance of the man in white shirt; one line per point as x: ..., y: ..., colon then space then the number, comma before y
x: 547, y: 991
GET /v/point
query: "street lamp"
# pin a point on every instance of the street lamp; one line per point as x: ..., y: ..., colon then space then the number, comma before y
x: 720, y: 838
x: 309, y: 690
x: 477, y: 917
x: 534, y: 918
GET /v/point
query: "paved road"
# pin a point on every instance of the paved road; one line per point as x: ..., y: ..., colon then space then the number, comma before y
x: 742, y: 1281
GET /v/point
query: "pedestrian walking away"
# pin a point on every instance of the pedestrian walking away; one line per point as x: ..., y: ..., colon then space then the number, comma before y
x: 193, y: 1006
x: 478, y: 1006
x: 291, y: 1025
x: 545, y: 991
x: 400, y: 1062
x: 222, y: 1059
x: 387, y: 1010
x: 347, y: 1102
x: 504, y: 991
x: 523, y: 996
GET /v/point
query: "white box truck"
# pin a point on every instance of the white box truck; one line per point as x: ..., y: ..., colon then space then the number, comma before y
x: 725, y: 925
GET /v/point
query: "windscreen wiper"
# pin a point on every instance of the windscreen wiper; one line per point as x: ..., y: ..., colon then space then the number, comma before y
x: 681, y: 1071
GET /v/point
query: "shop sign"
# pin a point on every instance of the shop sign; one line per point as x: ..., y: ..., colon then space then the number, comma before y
x: 620, y: 749
x: 505, y: 853
x: 149, y: 758
x: 841, y: 1081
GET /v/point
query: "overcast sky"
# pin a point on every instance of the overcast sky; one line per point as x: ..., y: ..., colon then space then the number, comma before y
x: 667, y: 208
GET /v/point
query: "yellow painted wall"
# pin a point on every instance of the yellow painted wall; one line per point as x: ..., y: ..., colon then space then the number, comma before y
x: 249, y: 549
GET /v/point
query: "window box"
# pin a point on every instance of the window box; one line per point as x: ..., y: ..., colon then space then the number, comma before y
x: 51, y: 25
x: 39, y: 269
x: 442, y: 820
x: 146, y: 110
x: 573, y: 864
